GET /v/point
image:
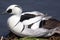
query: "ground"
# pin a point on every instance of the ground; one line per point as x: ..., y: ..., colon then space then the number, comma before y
x: 12, y: 36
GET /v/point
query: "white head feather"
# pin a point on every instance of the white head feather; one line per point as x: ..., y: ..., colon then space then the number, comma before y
x: 14, y: 9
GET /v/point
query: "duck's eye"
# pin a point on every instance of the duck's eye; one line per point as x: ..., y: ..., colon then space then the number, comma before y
x: 9, y: 11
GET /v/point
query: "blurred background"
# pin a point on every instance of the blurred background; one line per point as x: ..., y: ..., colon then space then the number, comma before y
x: 51, y: 7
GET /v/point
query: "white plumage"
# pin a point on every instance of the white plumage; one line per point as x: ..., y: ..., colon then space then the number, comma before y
x: 21, y: 28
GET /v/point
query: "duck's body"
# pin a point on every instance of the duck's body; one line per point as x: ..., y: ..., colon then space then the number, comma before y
x: 14, y: 19
x: 18, y: 29
x: 28, y: 23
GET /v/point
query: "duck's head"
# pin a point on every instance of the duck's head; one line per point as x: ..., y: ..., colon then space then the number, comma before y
x: 14, y: 9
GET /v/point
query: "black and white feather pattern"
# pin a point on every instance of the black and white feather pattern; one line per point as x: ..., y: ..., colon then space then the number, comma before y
x: 31, y: 18
x: 32, y: 24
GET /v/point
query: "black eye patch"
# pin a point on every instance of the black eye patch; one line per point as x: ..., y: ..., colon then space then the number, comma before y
x: 9, y: 11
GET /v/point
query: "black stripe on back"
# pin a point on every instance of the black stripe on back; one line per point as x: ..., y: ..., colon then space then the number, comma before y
x: 41, y: 23
x: 23, y: 28
x: 29, y: 26
x: 27, y: 16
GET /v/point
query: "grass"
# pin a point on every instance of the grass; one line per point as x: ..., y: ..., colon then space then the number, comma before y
x: 31, y: 38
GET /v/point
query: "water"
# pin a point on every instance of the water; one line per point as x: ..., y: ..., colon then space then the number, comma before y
x: 51, y: 7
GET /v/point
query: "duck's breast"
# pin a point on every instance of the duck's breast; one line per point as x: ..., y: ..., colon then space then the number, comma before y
x: 13, y: 20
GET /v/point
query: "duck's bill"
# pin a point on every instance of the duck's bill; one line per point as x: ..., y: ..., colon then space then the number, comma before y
x: 3, y: 13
